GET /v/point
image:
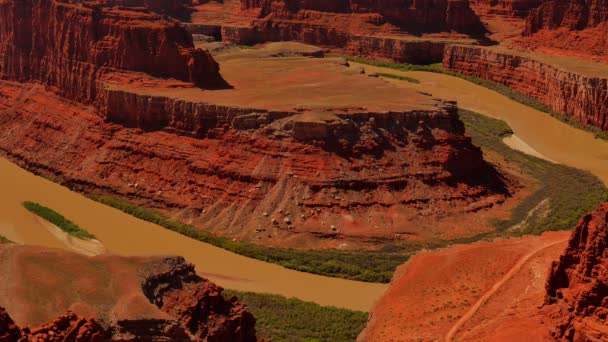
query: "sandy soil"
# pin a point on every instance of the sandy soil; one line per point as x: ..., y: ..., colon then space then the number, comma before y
x: 85, y: 247
x: 438, y: 294
x: 580, y: 149
x: 514, y: 142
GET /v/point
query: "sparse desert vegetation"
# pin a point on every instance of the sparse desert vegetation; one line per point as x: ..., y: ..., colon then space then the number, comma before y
x: 288, y: 319
x: 58, y: 220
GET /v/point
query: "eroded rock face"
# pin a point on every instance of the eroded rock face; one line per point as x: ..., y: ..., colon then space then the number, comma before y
x: 580, y: 97
x: 578, y: 282
x: 9, y: 331
x: 574, y: 15
x: 401, y: 30
x: 92, y: 39
x: 159, y: 299
x: 351, y: 175
x: 572, y: 28
x: 411, y: 16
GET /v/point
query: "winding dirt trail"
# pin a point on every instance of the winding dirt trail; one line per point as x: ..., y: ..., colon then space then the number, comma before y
x: 449, y: 337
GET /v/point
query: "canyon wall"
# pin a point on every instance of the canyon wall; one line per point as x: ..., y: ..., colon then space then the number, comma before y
x: 583, y: 98
x: 578, y: 282
x: 573, y: 15
x: 264, y: 176
x: 571, y: 28
x: 159, y: 299
x: 401, y: 30
x: 90, y: 39
x: 407, y: 15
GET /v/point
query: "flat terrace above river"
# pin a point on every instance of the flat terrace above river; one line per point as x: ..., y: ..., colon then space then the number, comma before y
x: 298, y: 82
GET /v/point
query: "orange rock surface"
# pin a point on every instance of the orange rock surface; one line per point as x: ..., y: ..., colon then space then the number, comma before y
x: 123, y: 299
x: 500, y: 291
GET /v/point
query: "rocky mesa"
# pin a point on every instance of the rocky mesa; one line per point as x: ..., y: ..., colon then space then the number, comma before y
x: 580, y: 96
x: 159, y: 298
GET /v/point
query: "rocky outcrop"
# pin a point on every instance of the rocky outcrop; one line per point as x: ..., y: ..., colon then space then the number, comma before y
x: 578, y: 282
x: 583, y: 98
x: 9, y: 331
x: 93, y: 39
x: 197, y: 304
x: 159, y: 299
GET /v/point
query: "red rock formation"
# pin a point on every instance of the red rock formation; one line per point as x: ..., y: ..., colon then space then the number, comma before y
x: 578, y: 282
x: 214, y: 163
x: 401, y: 30
x: 159, y: 299
x: 576, y: 28
x: 245, y: 167
x: 90, y: 40
x: 9, y: 331
x: 411, y: 16
x: 573, y: 14
x: 583, y: 98
x: 175, y: 288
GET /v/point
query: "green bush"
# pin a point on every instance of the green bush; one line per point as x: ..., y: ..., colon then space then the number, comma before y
x: 397, y: 77
x: 4, y: 240
x: 570, y: 192
x: 58, y: 220
x: 289, y: 319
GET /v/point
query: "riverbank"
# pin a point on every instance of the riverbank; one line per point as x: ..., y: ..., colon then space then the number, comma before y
x: 581, y: 149
x: 125, y: 235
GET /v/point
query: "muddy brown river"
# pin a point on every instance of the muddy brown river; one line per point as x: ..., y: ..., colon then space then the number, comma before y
x: 546, y: 135
x: 125, y: 235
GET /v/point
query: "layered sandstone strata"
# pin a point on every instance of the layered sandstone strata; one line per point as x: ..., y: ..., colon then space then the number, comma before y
x: 92, y: 39
x: 260, y: 175
x: 581, y: 97
x: 160, y: 299
x: 298, y: 148
x: 578, y: 282
x: 412, y: 32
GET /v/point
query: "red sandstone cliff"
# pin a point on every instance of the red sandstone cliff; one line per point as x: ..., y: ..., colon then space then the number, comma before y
x: 401, y: 30
x: 159, y: 299
x: 573, y: 14
x: 578, y: 282
x: 576, y: 28
x: 264, y: 174
x: 583, y: 98
x: 240, y: 172
x: 68, y: 45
